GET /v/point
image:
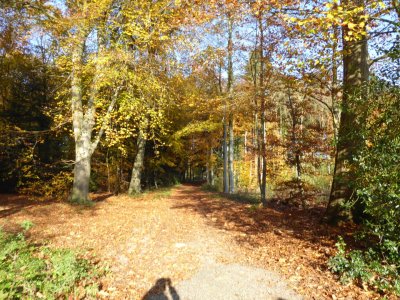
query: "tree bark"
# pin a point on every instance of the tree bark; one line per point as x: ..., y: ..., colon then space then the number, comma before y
x: 230, y: 96
x: 80, y: 188
x: 355, y: 76
x: 262, y: 142
x: 225, y: 157
x: 135, y: 183
x: 295, y: 144
x: 83, y: 119
x: 231, y: 157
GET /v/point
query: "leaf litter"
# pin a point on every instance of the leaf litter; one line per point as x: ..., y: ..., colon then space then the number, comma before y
x: 172, y: 235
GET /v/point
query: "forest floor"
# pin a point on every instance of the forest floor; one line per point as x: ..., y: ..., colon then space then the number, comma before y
x: 186, y: 243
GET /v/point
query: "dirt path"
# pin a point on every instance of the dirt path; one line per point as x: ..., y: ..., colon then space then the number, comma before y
x: 219, y: 276
x: 188, y: 244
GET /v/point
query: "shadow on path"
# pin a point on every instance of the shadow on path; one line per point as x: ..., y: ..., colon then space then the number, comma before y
x: 162, y: 290
x: 12, y: 204
x: 250, y: 220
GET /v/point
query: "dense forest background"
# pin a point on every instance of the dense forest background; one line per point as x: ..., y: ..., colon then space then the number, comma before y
x: 295, y: 102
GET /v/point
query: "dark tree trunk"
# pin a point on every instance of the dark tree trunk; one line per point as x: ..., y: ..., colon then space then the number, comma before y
x: 355, y: 76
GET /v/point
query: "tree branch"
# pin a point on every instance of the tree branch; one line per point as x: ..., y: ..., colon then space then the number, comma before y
x: 104, y: 124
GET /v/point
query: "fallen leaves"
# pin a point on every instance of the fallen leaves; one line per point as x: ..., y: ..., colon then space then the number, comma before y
x: 143, y: 240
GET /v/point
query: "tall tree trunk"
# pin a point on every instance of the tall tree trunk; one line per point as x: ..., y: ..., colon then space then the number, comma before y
x: 225, y: 179
x: 256, y: 147
x: 230, y: 96
x: 83, y: 119
x: 108, y: 173
x: 225, y: 157
x: 263, y: 146
x: 263, y: 158
x: 231, y: 157
x: 80, y: 188
x: 355, y: 76
x: 208, y: 171
x: 212, y: 175
x: 295, y: 144
x: 135, y: 183
x: 335, y: 89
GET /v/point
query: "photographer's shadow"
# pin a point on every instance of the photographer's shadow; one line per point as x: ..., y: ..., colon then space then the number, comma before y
x: 162, y: 290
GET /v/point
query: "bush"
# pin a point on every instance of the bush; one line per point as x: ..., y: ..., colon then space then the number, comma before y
x: 367, y: 268
x: 51, y: 185
x: 28, y: 271
x: 209, y: 187
x: 377, y: 189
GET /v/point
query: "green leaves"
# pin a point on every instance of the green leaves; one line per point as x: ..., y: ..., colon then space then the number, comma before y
x: 28, y: 271
x: 378, y: 192
x: 366, y: 267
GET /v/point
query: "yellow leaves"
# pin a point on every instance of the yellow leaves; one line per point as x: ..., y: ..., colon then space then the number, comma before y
x: 376, y: 4
x: 351, y: 25
x: 197, y: 127
x: 329, y: 5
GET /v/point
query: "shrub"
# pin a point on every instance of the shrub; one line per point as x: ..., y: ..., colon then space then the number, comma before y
x: 29, y: 271
x: 377, y: 189
x: 366, y: 268
x: 51, y: 185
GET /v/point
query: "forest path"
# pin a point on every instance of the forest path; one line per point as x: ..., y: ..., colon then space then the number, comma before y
x: 190, y: 244
x: 219, y: 276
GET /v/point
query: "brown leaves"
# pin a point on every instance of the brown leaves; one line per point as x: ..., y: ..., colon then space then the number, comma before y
x: 143, y: 239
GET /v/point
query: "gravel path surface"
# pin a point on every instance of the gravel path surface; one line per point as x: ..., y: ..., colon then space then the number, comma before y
x: 220, y: 281
x: 225, y: 282
x: 234, y: 281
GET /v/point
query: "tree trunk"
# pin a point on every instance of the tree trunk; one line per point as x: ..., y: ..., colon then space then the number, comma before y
x: 263, y: 148
x: 80, y: 188
x: 208, y: 172
x: 229, y: 89
x: 295, y: 144
x: 135, y: 183
x: 210, y: 167
x: 83, y: 117
x: 212, y: 176
x: 355, y: 75
x: 225, y: 156
x: 82, y: 134
x: 263, y: 160
x: 231, y: 157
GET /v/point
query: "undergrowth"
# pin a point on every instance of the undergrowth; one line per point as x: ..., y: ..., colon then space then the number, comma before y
x: 242, y: 197
x: 29, y: 271
x: 372, y: 268
x: 376, y: 200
